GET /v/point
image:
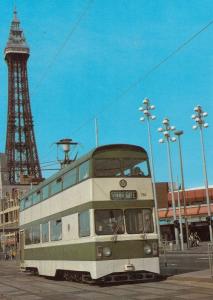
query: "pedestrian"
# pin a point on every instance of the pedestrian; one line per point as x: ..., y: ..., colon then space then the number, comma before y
x: 191, y: 240
x: 196, y: 239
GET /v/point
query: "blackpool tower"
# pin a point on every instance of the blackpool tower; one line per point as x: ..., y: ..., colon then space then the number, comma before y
x: 21, y: 151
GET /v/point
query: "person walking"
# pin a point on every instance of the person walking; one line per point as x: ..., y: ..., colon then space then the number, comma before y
x: 196, y: 239
x: 191, y: 240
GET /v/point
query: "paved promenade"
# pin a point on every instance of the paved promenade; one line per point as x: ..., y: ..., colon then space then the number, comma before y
x: 15, y: 285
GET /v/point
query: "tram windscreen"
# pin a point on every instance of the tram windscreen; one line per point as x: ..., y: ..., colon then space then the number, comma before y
x: 139, y: 220
x: 109, y: 221
x: 134, y: 167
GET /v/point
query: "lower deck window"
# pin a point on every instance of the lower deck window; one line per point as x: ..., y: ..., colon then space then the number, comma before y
x: 56, y: 230
x: 84, y: 223
x: 45, y: 232
x: 28, y: 236
x: 32, y: 235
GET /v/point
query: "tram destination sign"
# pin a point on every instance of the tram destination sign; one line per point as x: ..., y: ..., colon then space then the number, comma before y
x: 123, y: 195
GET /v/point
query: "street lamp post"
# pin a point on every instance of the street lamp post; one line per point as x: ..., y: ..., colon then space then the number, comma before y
x: 200, y: 123
x: 146, y: 109
x: 178, y: 133
x: 167, y: 138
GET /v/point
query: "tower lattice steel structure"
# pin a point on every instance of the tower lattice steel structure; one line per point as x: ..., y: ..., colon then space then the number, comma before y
x: 22, y: 156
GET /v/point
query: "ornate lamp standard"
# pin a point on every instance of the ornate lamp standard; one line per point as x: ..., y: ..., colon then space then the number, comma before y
x: 165, y: 130
x: 200, y: 123
x: 146, y: 109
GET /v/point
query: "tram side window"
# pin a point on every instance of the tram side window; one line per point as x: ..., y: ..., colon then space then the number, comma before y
x: 36, y: 234
x: 84, y: 223
x: 22, y: 204
x: 28, y: 202
x: 36, y: 197
x: 45, y: 232
x: 56, y: 230
x: 28, y: 236
x: 45, y: 192
x: 69, y: 179
x: 55, y: 186
x: 138, y: 220
x: 84, y: 171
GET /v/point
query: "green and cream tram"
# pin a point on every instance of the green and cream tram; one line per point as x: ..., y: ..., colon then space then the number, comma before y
x: 93, y: 220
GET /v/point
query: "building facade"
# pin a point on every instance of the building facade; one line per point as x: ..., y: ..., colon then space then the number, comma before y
x: 195, y: 213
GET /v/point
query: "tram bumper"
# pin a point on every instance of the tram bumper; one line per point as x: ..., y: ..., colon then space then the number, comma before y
x: 125, y: 268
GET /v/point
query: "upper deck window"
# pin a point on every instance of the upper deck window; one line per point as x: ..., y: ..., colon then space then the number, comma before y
x: 107, y: 167
x: 28, y: 201
x: 36, y: 197
x: 55, y: 186
x: 45, y: 192
x: 22, y: 204
x: 84, y: 171
x: 70, y: 178
x: 135, y: 168
x: 124, y: 167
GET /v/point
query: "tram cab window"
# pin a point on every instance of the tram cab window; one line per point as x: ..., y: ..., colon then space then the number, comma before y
x: 109, y: 221
x: 56, y: 230
x: 45, y: 232
x: 138, y: 220
x: 84, y: 223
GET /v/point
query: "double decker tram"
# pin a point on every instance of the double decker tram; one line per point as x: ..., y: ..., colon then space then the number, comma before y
x: 93, y: 221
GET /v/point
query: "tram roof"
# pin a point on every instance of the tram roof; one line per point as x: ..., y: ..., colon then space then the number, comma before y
x: 90, y: 154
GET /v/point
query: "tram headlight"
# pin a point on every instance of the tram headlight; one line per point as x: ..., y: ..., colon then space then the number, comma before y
x: 107, y: 251
x: 147, y: 249
x: 103, y: 252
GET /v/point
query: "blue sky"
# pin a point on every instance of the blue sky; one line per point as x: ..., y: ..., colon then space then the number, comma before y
x: 77, y: 75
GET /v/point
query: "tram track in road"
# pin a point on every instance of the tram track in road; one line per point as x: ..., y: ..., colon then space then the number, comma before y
x: 16, y: 285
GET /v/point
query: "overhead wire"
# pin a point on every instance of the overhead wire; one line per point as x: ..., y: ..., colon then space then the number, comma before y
x: 146, y: 75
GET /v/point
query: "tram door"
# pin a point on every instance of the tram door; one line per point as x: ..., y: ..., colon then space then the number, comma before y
x: 22, y: 246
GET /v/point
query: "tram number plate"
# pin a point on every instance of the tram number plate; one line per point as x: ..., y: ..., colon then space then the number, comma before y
x: 123, y: 195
